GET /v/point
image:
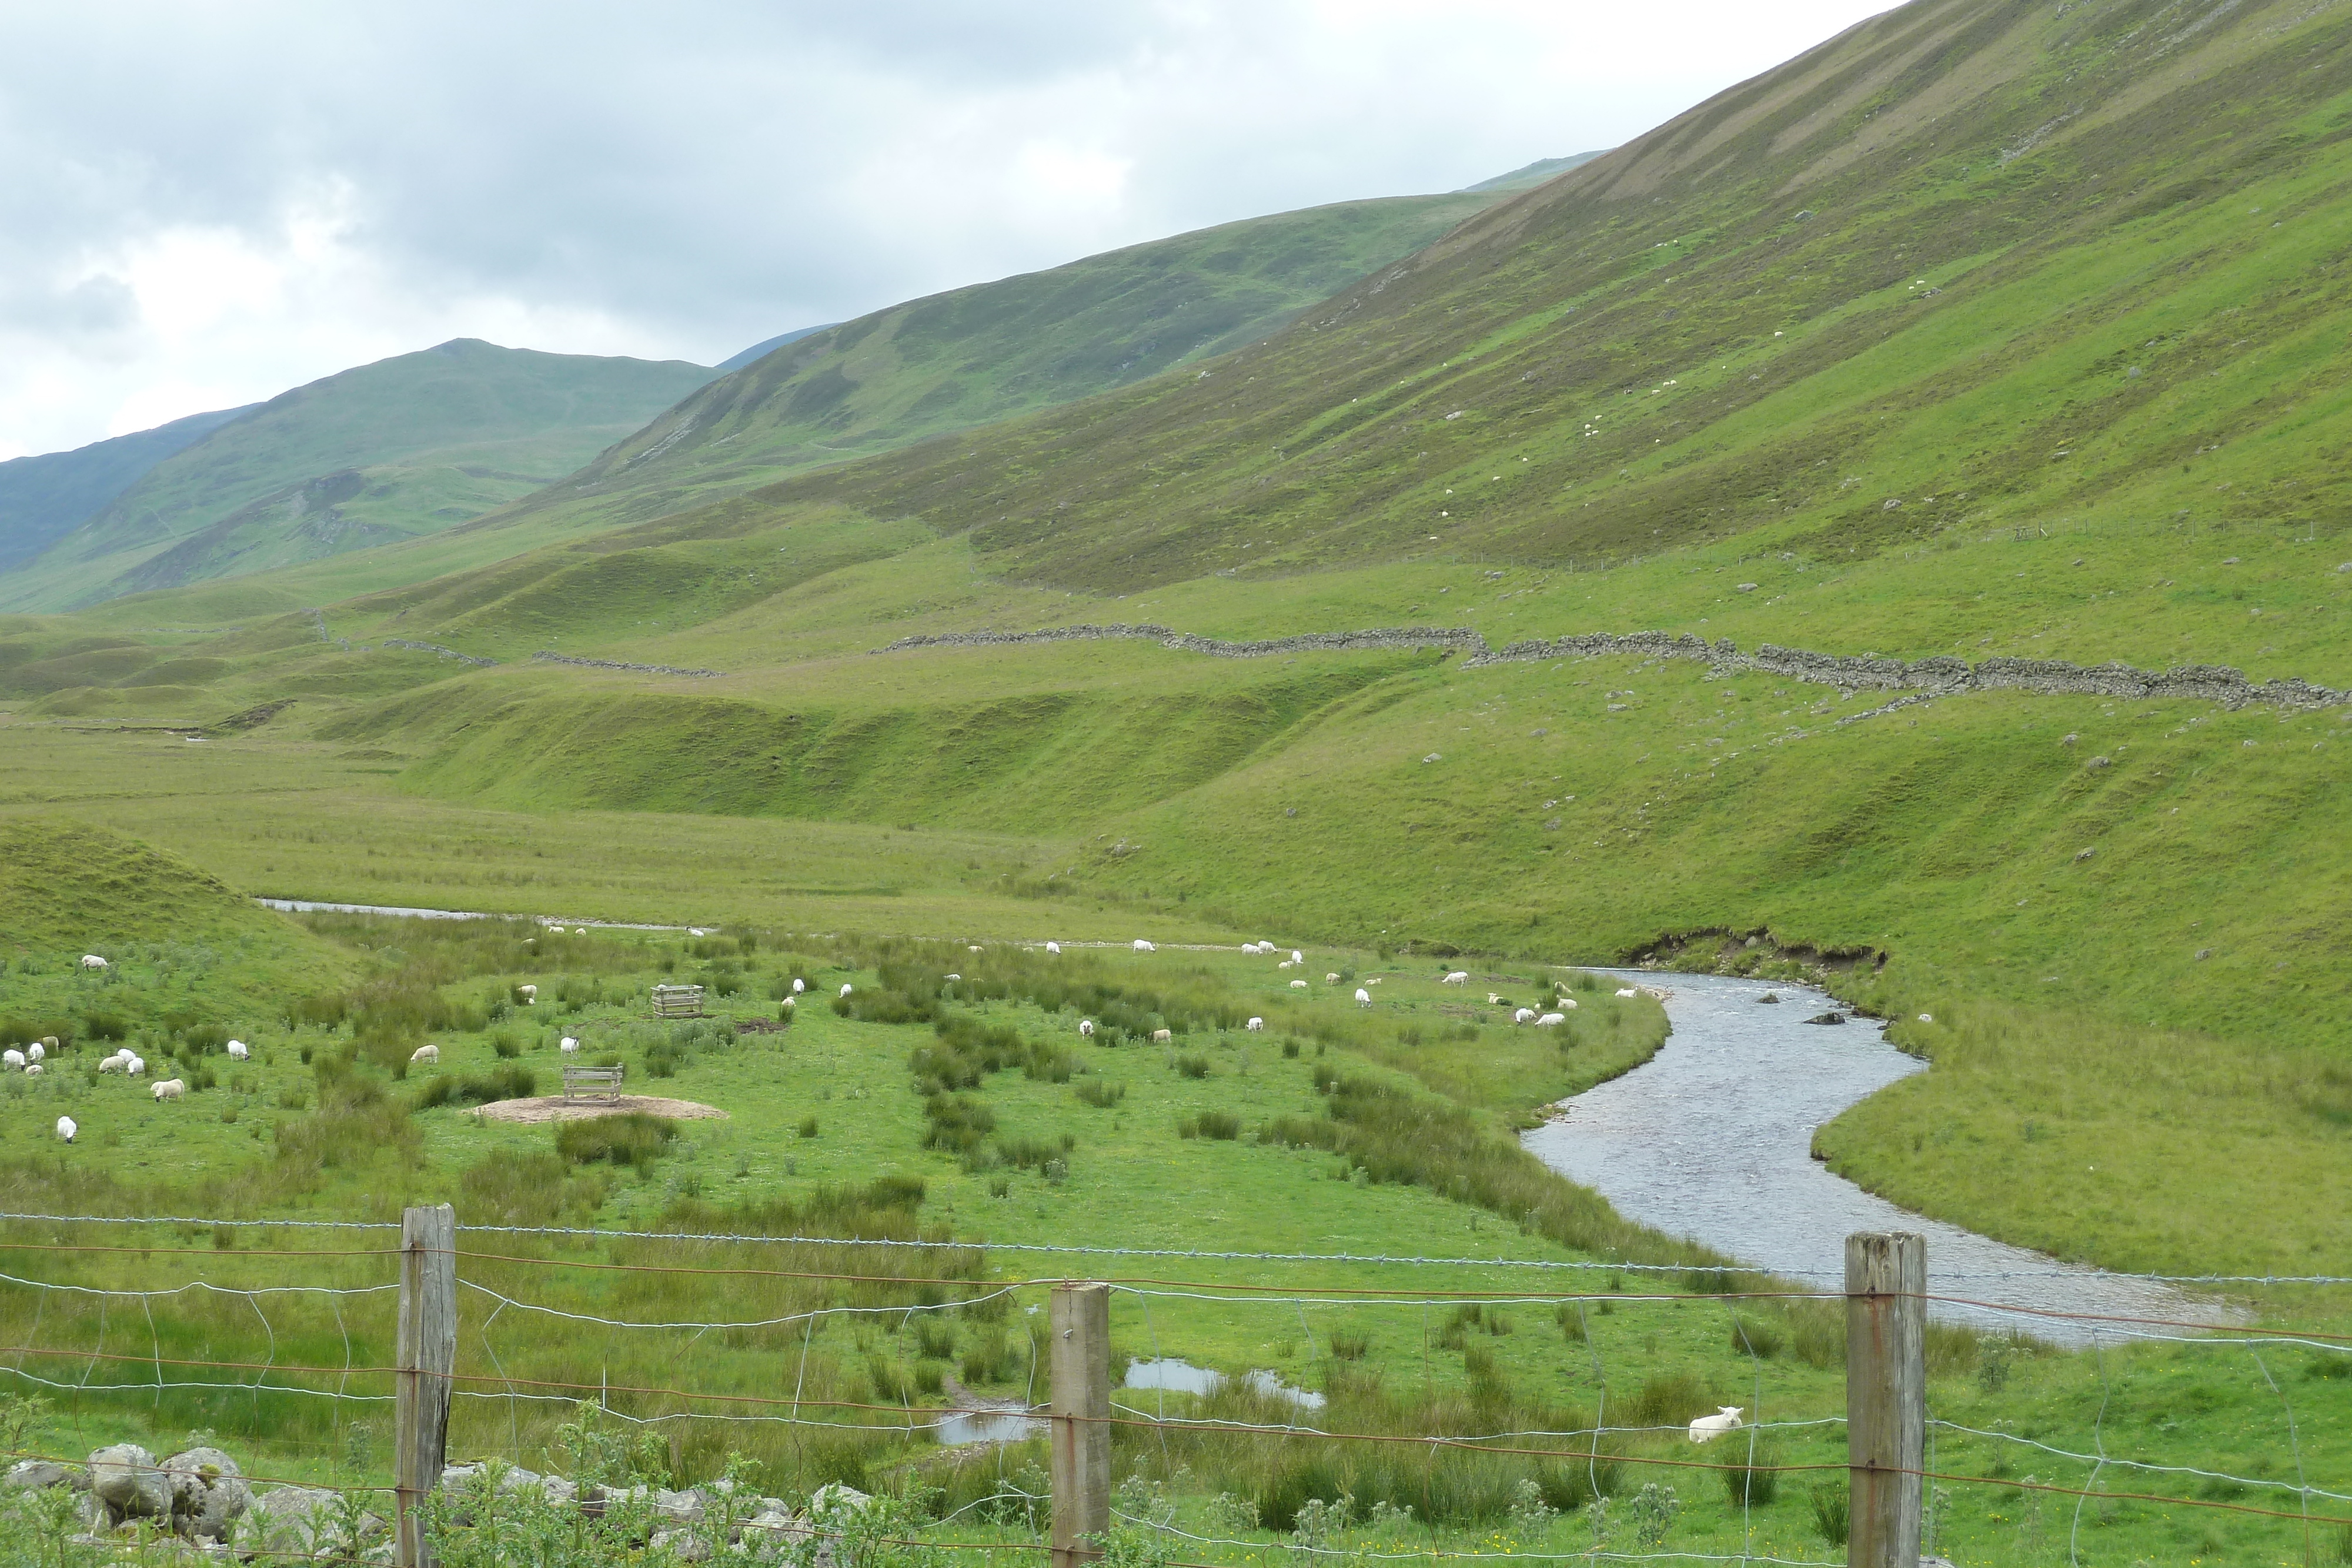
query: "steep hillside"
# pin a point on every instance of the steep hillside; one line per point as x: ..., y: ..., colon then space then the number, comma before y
x: 406, y: 446
x: 1533, y: 173
x: 41, y: 498
x: 766, y: 346
x: 1973, y: 266
x: 980, y: 354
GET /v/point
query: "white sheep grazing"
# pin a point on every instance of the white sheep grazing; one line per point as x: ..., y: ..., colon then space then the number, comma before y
x: 92, y: 961
x: 1458, y: 978
x: 1086, y: 1027
x: 1525, y: 1015
x: 1374, y: 981
x: 427, y: 1053
x: 1256, y: 1026
x: 1551, y: 1020
x: 694, y: 931
x: 34, y: 1070
x: 35, y: 1051
x: 66, y: 1128
x: 844, y: 988
x: 789, y: 1003
x: 1628, y: 991
x: 1162, y: 1036
x: 1297, y: 956
x: 1143, y: 947
x: 1332, y: 979
x: 1568, y: 1003
x: 239, y: 1052
x: 1706, y: 1428
x: 970, y: 948
x: 12, y: 1058
x: 135, y: 1067
x: 1250, y: 948
x: 530, y: 995
x: 1363, y: 997
x: 170, y: 1089
x: 799, y: 986
x: 1054, y: 948
x: 568, y: 1046
x: 113, y: 1063
x: 1297, y: 985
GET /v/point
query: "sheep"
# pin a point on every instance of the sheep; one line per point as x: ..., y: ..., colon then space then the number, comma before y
x: 66, y: 1128
x: 135, y: 1068
x: 568, y: 1046
x: 1568, y: 1004
x: 1054, y: 948
x: 972, y: 949
x: 425, y: 1052
x: 1332, y: 979
x: 1706, y: 1428
x: 846, y: 988
x: 1297, y: 985
x: 1250, y: 948
x: 1363, y: 997
x: 1628, y: 991
x: 1297, y: 956
x: 530, y: 995
x: 694, y: 931
x: 37, y: 1050
x: 1162, y: 1036
x: 1143, y: 947
x: 1551, y: 1020
x: 1494, y: 998
x: 1525, y: 1015
x: 34, y: 1070
x: 1256, y: 1026
x: 799, y: 985
x: 12, y: 1058
x: 239, y: 1052
x: 113, y: 1063
x: 1927, y: 1017
x: 170, y: 1089
x: 1457, y: 978
x: 789, y: 1003
x: 1374, y: 980
x: 1284, y: 964
x: 1086, y: 1029
x: 92, y: 961
x: 955, y: 977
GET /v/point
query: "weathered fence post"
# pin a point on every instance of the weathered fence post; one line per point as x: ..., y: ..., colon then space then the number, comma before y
x: 428, y: 1357
x: 1079, y: 1365
x: 1885, y: 1395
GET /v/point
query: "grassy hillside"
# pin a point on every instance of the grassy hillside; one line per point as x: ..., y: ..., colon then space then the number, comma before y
x: 980, y: 354
x: 408, y: 445
x: 1841, y: 361
x: 1533, y: 173
x: 42, y: 497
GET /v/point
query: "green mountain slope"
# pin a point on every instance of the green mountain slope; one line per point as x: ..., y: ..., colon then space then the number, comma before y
x: 42, y: 497
x: 766, y: 346
x: 1971, y: 266
x: 1535, y: 174
x: 408, y: 445
x: 979, y: 354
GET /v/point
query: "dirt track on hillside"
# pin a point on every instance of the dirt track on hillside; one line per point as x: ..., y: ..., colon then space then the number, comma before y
x: 556, y: 1108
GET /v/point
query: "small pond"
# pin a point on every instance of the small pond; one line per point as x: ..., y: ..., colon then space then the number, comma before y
x: 1712, y: 1139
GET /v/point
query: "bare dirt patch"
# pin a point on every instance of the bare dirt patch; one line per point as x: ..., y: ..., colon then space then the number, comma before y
x: 556, y: 1108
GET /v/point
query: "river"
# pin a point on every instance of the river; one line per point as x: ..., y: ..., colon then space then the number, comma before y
x: 1712, y: 1138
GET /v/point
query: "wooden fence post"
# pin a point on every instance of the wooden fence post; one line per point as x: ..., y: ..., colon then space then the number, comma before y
x: 1885, y: 1395
x: 428, y: 1357
x: 1079, y: 1324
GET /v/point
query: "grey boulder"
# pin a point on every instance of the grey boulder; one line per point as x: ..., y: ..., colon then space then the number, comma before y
x: 33, y: 1475
x: 207, y: 1494
x: 127, y: 1480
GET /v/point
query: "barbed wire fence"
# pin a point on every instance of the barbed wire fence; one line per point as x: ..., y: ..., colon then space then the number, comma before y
x: 391, y: 1367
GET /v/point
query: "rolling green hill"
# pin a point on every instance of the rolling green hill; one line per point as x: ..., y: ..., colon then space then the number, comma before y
x: 1983, y: 332
x: 408, y: 445
x: 982, y: 353
x: 42, y: 497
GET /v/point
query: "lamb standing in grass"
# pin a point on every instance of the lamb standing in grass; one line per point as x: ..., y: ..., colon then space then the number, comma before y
x: 427, y: 1052
x: 569, y: 1046
x: 1551, y: 1020
x: 1054, y: 948
x: 530, y: 995
x: 66, y: 1128
x: 92, y: 961
x: 1086, y: 1027
x: 134, y: 1066
x: 844, y: 988
x: 1458, y: 978
x: 1363, y: 997
x: 35, y: 1052
x: 1143, y: 947
x: 170, y: 1088
x: 1255, y: 1025
x: 12, y: 1058
x: 1525, y: 1015
x: 239, y: 1050
x: 1297, y: 985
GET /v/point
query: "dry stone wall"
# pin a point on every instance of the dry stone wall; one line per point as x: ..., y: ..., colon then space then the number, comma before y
x: 1937, y: 675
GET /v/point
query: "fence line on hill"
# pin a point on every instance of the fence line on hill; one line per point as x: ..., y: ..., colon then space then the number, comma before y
x: 1891, y: 1430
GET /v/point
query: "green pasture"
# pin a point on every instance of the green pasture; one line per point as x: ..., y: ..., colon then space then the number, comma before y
x: 825, y: 1135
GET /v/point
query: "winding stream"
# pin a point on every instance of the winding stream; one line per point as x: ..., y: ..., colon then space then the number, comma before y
x: 1712, y: 1139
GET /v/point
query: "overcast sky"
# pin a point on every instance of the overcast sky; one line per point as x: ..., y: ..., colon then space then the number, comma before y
x: 203, y: 205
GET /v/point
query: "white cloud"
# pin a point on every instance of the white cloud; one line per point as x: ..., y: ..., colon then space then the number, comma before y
x: 204, y: 206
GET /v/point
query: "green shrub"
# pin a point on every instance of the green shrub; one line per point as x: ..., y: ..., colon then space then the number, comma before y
x: 1100, y: 1092
x: 631, y: 1138
x: 1192, y: 1066
x: 1220, y: 1124
x: 1752, y: 1482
